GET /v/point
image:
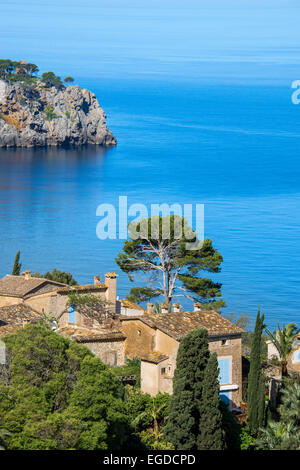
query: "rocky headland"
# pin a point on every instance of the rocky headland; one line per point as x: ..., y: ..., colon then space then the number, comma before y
x: 36, y: 114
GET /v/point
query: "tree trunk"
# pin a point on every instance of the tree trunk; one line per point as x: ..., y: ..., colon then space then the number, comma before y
x: 284, y: 370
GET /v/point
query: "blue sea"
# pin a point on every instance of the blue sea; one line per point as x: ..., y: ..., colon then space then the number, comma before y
x: 199, y: 98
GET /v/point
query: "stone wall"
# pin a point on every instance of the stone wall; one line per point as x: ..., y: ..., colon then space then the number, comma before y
x: 232, y: 349
x: 149, y: 378
x: 111, y: 352
x: 42, y: 302
x: 6, y: 301
x: 140, y: 338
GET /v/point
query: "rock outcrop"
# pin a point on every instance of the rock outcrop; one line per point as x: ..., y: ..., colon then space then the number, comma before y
x: 40, y: 117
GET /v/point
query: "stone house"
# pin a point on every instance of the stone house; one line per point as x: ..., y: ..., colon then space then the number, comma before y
x: 25, y: 298
x: 155, y: 338
x: 52, y: 297
x: 21, y: 289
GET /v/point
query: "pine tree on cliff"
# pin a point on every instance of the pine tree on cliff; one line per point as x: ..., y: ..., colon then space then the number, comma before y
x: 183, y: 423
x: 210, y: 425
x: 17, y: 265
x: 255, y: 379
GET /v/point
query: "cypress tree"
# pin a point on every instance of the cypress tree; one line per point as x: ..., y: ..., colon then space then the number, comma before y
x: 261, y: 412
x: 255, y: 379
x: 182, y: 428
x: 210, y: 425
x: 17, y: 265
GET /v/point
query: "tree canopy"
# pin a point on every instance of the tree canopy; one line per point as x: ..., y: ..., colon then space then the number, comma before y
x: 58, y: 276
x: 69, y: 80
x: 61, y: 396
x: 17, y: 265
x: 256, y: 392
x: 283, y: 339
x: 12, y: 71
x: 159, y: 248
x: 50, y: 80
x: 210, y: 435
x: 26, y: 73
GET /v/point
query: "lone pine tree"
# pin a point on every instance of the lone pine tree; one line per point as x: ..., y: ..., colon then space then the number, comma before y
x: 160, y: 249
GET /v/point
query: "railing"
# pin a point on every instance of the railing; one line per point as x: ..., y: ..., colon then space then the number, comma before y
x: 127, y: 379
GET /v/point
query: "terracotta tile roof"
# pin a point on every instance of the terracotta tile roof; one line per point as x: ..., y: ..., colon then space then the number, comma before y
x: 128, y: 304
x: 84, y: 287
x: 155, y: 357
x: 13, y: 317
x: 18, y: 286
x: 85, y: 335
x: 177, y: 325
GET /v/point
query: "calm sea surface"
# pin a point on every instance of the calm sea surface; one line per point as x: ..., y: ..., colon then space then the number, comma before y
x: 212, y: 128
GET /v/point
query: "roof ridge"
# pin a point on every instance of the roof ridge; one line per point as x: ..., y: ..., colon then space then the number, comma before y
x: 185, y: 322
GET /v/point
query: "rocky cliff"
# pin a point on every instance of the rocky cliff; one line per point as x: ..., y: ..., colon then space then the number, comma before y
x: 40, y: 116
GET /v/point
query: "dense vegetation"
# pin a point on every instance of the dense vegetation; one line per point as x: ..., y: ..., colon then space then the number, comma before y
x: 61, y: 396
x: 26, y: 74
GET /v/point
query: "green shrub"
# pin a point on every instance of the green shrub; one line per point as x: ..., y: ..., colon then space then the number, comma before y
x: 50, y: 114
x: 247, y: 441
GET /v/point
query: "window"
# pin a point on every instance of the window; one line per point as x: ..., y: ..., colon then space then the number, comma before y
x: 111, y: 358
x: 224, y: 342
x: 163, y: 370
x: 139, y: 332
x: 225, y: 397
x: 169, y: 368
x: 72, y: 314
x: 297, y: 356
x: 225, y: 371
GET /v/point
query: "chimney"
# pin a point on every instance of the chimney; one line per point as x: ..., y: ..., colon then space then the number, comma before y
x: 96, y: 280
x: 111, y: 291
x: 27, y: 274
x: 150, y: 308
x: 197, y: 307
x: 176, y: 308
x: 165, y: 308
